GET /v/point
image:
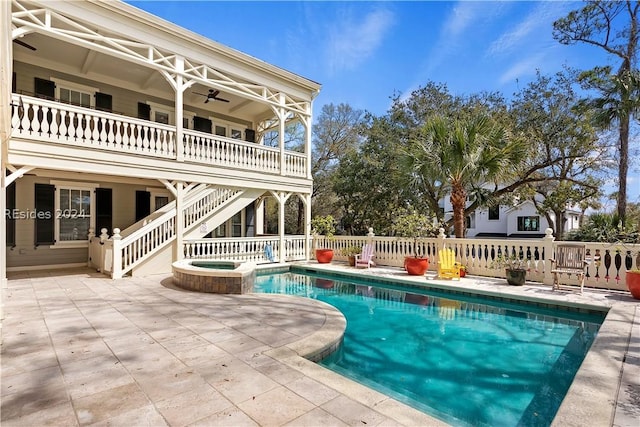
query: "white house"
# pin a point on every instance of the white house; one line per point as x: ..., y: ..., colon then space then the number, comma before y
x: 519, y: 221
x: 112, y: 118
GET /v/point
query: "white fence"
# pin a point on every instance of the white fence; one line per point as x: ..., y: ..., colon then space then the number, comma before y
x: 608, y: 261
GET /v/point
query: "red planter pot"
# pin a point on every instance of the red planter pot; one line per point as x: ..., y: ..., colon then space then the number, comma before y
x: 416, y: 266
x: 324, y: 256
x: 633, y: 283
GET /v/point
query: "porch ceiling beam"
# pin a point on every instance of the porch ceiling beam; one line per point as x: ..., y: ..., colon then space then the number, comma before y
x: 62, y: 28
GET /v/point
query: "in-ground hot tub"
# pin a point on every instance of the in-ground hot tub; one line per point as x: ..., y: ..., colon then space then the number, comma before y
x: 214, y: 276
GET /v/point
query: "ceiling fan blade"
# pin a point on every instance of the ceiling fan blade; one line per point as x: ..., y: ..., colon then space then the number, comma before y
x: 23, y: 44
x: 206, y: 101
x: 221, y: 99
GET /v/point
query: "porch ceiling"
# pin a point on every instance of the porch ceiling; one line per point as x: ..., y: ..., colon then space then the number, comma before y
x: 93, y: 65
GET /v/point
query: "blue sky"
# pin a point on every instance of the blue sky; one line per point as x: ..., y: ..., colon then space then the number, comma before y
x: 364, y: 52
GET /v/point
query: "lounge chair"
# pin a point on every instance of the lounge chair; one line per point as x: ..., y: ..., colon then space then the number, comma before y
x: 569, y: 259
x: 447, y: 266
x: 365, y: 259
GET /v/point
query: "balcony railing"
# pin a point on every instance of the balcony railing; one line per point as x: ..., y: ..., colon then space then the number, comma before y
x: 50, y: 121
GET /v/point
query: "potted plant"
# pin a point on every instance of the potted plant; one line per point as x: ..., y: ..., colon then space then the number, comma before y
x: 326, y: 226
x: 350, y: 252
x: 633, y: 282
x: 415, y: 226
x: 514, y: 267
x: 463, y: 270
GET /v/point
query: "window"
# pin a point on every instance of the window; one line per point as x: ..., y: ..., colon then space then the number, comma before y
x: 528, y: 223
x: 75, y: 97
x: 221, y: 231
x: 494, y: 212
x: 236, y: 134
x: 74, y: 93
x: 471, y: 220
x: 221, y: 130
x: 236, y: 225
x: 162, y: 117
x: 161, y: 201
x: 73, y: 213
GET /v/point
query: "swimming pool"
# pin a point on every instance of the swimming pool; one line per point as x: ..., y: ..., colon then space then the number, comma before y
x: 465, y: 360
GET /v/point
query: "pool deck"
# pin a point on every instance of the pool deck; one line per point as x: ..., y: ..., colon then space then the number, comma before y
x: 81, y: 349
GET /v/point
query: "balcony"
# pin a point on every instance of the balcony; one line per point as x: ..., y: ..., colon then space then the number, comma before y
x: 46, y: 131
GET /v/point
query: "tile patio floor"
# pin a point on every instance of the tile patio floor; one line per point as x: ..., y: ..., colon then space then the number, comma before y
x: 81, y: 349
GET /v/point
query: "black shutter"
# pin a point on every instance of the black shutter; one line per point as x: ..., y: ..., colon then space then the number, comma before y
x: 250, y: 135
x: 143, y: 204
x: 45, y: 215
x: 13, y: 83
x: 104, y: 210
x: 144, y: 111
x: 201, y: 124
x: 104, y: 102
x: 44, y: 88
x: 11, y: 221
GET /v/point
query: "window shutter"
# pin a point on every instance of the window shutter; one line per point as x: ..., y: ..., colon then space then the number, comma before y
x: 201, y: 124
x: 103, y: 102
x: 250, y: 135
x: 104, y: 209
x: 11, y: 221
x: 144, y: 111
x: 44, y: 88
x: 45, y: 215
x: 143, y: 204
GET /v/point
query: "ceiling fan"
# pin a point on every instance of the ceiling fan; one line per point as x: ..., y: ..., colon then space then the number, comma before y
x: 23, y: 44
x: 213, y: 94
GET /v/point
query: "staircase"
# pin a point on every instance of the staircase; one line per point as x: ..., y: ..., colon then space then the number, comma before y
x: 148, y: 241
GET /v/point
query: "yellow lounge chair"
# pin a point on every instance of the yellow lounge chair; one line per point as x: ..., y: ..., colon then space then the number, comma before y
x: 447, y: 266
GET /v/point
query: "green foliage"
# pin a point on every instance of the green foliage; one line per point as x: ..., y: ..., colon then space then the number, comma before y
x: 413, y: 225
x: 605, y: 227
x: 324, y: 225
x: 351, y: 251
x: 510, y: 262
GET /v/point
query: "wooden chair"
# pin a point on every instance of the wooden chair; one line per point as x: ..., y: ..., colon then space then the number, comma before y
x: 569, y: 259
x: 447, y: 266
x: 365, y: 258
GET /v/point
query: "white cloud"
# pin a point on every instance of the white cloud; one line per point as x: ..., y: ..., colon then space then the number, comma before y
x: 352, y: 41
x: 524, y: 68
x: 536, y: 25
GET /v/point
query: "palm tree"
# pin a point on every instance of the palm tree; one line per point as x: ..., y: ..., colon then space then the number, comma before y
x: 461, y: 154
x: 618, y: 103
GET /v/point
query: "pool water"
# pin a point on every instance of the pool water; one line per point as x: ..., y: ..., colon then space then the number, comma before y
x: 467, y: 362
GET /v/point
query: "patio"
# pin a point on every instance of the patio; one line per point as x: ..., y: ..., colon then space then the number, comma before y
x: 81, y: 349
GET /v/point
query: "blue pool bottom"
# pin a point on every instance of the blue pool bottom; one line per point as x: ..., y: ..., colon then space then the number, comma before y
x: 466, y: 362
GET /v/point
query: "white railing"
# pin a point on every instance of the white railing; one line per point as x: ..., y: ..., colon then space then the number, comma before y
x: 44, y: 120
x: 608, y: 262
x: 246, y: 249
x: 121, y: 253
x: 200, y: 208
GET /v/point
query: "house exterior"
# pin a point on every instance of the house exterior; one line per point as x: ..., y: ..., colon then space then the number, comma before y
x: 115, y: 120
x: 519, y: 221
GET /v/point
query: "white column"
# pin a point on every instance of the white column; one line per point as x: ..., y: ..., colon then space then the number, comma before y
x: 282, y: 116
x: 179, y: 247
x: 180, y: 87
x: 307, y: 226
x: 6, y: 68
x: 260, y: 216
x: 307, y: 138
x: 281, y: 201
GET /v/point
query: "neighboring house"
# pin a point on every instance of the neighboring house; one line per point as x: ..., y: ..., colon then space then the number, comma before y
x: 520, y: 221
x: 114, y: 118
